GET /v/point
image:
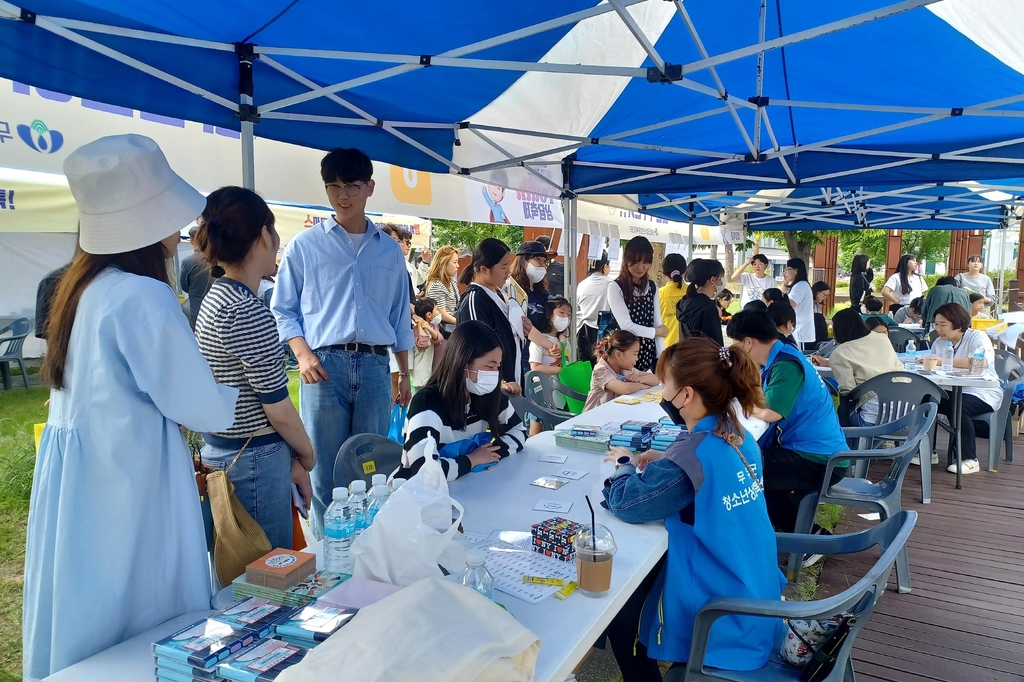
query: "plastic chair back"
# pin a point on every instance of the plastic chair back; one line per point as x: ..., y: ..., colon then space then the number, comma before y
x: 860, y: 600
x: 898, y: 393
x: 527, y: 409
x: 364, y: 455
x: 900, y: 337
x: 1008, y: 366
x: 10, y: 346
x: 577, y: 377
x: 546, y: 391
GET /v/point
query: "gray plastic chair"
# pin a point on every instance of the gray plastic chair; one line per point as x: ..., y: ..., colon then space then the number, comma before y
x: 898, y: 393
x: 899, y: 337
x: 528, y: 409
x: 1010, y: 369
x: 884, y: 497
x: 11, y: 347
x: 548, y: 391
x: 363, y: 455
x: 860, y: 600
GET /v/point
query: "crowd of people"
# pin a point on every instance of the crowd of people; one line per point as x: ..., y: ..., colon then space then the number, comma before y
x: 114, y: 497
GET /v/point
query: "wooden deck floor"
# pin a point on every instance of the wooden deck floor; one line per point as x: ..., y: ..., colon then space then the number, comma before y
x: 964, y: 619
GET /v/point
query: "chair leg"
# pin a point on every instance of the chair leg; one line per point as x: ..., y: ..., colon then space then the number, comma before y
x: 995, y: 444
x: 849, y: 675
x: 24, y: 373
x: 804, y: 524
x: 1008, y: 441
x: 925, y: 454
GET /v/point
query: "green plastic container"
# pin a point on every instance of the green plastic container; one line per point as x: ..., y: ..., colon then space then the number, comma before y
x: 577, y: 377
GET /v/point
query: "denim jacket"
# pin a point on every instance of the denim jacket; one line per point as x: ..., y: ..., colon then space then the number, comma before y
x: 662, y: 489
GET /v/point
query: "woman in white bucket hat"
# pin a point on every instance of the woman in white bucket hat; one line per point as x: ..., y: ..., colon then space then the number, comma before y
x: 115, y: 534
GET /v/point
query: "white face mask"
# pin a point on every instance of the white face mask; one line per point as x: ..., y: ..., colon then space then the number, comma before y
x: 561, y: 323
x: 535, y: 273
x: 486, y: 382
x: 436, y: 320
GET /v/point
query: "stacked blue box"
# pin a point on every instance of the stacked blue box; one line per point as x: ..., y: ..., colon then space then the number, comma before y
x: 663, y: 439
x: 312, y: 624
x: 199, y: 647
x: 666, y: 423
x: 261, y: 663
x: 637, y: 425
x: 255, y: 615
x: 634, y: 440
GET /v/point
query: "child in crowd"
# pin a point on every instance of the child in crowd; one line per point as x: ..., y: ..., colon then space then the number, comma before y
x: 876, y: 324
x: 784, y: 317
x: 615, y: 373
x: 724, y: 300
x: 873, y: 308
x: 978, y: 307
x: 910, y: 314
x: 553, y: 326
x: 715, y: 549
x: 773, y: 295
x: 463, y: 408
x: 426, y: 335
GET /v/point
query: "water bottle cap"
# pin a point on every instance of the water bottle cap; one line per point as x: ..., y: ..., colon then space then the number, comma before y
x: 397, y: 483
x: 380, y: 479
x: 340, y: 494
x: 475, y: 557
x: 358, y: 486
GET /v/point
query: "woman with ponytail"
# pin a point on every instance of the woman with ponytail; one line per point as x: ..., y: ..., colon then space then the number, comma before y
x: 707, y: 489
x: 698, y: 314
x: 238, y: 337
x: 615, y: 373
x: 669, y: 295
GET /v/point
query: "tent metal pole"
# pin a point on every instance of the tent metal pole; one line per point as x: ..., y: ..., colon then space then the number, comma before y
x: 248, y: 157
x: 570, y: 235
x: 760, y: 79
x: 689, y: 239
x: 247, y: 113
x: 494, y: 145
x: 1004, y: 223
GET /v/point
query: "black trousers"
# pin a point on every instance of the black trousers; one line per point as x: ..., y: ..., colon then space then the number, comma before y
x: 973, y: 406
x: 623, y: 635
x: 788, y: 477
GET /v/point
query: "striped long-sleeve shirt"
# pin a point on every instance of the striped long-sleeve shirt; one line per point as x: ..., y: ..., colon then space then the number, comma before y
x: 428, y: 416
x: 237, y: 335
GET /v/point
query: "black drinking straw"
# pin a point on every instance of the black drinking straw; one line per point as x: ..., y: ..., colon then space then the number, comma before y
x: 593, y: 526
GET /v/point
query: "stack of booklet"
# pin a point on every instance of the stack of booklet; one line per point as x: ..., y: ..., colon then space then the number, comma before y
x: 261, y: 662
x: 299, y: 595
x: 194, y: 652
x: 664, y: 438
x: 312, y: 624
x: 586, y: 437
x: 634, y: 440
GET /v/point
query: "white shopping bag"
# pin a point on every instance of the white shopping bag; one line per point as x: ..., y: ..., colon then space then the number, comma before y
x: 435, y: 630
x: 413, y: 532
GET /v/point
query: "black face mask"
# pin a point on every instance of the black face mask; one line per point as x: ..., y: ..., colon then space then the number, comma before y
x: 673, y: 412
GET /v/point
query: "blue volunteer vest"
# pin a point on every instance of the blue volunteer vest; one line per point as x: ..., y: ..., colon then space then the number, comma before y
x: 727, y: 549
x: 812, y: 426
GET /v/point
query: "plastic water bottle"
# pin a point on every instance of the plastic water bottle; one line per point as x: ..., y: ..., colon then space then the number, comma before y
x: 947, y: 357
x: 338, y: 534
x: 397, y: 483
x: 978, y: 362
x: 911, y: 356
x: 360, y: 506
x: 476, y: 574
x: 378, y: 494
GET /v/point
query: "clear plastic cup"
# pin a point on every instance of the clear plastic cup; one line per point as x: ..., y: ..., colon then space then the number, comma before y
x: 594, y: 553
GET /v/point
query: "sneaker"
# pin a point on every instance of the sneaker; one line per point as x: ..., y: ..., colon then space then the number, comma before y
x: 970, y: 466
x: 916, y: 459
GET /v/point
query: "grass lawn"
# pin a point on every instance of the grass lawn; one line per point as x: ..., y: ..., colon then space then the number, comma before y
x: 19, y: 410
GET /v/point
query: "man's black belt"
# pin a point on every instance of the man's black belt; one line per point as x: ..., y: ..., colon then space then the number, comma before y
x: 359, y: 348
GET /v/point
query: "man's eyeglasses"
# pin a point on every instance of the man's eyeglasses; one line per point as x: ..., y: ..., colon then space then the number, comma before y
x: 350, y: 190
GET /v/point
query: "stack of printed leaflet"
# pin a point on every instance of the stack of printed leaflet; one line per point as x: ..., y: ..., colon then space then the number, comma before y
x: 262, y: 662
x: 298, y: 595
x: 586, y: 437
x: 312, y: 624
x: 193, y: 653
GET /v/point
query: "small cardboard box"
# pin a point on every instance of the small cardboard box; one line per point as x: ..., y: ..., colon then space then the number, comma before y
x: 280, y: 569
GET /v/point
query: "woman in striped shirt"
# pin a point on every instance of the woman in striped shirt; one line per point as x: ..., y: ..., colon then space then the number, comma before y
x: 266, y: 449
x: 441, y: 286
x: 463, y: 409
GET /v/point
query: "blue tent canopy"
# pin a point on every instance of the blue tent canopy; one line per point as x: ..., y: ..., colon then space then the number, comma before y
x: 630, y: 97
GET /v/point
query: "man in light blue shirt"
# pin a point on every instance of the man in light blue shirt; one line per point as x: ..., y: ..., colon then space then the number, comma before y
x: 341, y: 300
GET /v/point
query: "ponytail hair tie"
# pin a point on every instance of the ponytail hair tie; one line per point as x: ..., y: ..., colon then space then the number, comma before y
x: 675, y: 273
x: 216, y: 271
x: 723, y: 354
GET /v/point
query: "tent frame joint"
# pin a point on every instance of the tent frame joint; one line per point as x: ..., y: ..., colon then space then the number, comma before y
x: 248, y: 113
x: 671, y: 74
x: 761, y: 158
x: 424, y: 60
x: 759, y: 101
x: 28, y: 16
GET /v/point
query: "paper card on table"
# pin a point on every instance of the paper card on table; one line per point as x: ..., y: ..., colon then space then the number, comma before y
x: 553, y: 459
x: 552, y: 506
x: 572, y: 474
x: 549, y: 482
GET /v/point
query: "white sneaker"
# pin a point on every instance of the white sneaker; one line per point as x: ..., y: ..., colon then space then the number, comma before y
x: 916, y: 459
x: 970, y: 466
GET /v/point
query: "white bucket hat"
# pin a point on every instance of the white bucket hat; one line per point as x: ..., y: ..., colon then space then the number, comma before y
x: 128, y: 197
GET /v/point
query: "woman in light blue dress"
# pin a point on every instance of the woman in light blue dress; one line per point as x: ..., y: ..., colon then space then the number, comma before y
x: 115, y: 534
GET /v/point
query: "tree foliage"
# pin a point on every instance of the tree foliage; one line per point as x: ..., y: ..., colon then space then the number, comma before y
x: 800, y: 243
x: 465, y: 236
x: 929, y: 245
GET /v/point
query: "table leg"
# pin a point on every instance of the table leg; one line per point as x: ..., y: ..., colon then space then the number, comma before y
x: 957, y: 410
x: 5, y: 375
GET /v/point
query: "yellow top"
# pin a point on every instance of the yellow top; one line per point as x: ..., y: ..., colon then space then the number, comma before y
x: 668, y: 296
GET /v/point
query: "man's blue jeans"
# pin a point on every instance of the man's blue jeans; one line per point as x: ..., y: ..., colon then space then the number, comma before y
x: 356, y: 399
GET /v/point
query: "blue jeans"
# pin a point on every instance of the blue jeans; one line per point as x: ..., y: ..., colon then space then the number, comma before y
x: 262, y: 477
x: 331, y: 414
